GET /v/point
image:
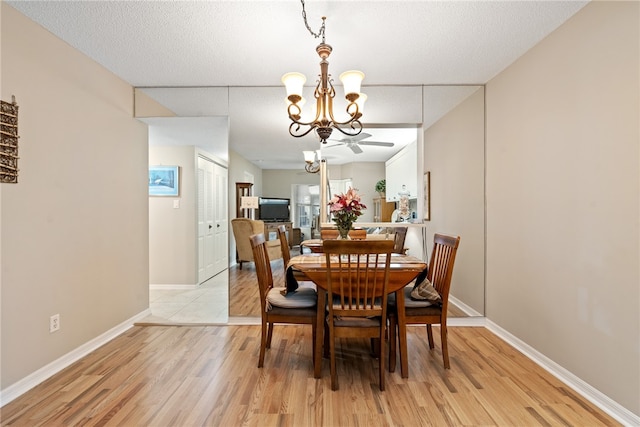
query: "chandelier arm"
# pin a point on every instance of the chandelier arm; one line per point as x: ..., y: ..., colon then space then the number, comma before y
x: 297, y: 132
x: 295, y: 117
x: 352, y: 116
x: 355, y: 125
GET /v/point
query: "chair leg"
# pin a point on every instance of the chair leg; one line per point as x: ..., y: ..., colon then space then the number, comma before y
x: 381, y: 366
x: 313, y: 344
x: 375, y: 347
x: 269, y: 335
x: 240, y: 264
x: 430, y: 336
x: 326, y: 352
x: 392, y: 343
x: 263, y: 344
x: 332, y: 351
x: 445, y: 348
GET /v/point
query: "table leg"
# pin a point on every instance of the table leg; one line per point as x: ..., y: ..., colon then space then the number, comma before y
x: 402, y: 334
x: 317, y: 357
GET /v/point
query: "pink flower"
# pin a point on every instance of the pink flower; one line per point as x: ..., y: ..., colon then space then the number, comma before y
x: 346, y: 208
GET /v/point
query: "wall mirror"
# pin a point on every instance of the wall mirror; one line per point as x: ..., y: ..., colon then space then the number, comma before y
x: 448, y: 121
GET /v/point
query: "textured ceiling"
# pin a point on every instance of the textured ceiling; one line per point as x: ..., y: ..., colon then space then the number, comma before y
x: 252, y: 43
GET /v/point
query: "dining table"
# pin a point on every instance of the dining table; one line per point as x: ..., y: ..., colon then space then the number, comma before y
x: 312, y: 267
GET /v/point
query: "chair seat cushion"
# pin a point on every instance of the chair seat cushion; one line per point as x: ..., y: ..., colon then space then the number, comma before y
x: 357, y: 322
x: 301, y: 298
x: 408, y: 301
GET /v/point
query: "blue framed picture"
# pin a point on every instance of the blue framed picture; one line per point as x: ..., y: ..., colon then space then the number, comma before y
x: 164, y: 181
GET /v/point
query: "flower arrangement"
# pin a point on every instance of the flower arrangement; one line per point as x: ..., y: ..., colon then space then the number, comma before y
x: 345, y: 209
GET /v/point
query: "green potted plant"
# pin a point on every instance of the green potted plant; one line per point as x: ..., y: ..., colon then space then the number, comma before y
x: 381, y: 187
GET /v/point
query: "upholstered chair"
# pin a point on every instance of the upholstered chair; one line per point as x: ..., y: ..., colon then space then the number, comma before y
x: 242, y: 229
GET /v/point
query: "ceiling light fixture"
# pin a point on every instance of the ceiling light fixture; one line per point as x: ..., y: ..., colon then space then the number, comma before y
x: 312, y: 161
x: 324, y: 121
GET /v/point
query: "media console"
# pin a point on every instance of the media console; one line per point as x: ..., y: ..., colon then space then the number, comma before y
x: 272, y: 227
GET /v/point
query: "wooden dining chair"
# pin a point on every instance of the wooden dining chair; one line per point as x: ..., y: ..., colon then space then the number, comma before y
x: 284, y: 245
x: 332, y: 234
x: 357, y: 280
x: 297, y: 307
x: 440, y: 270
x: 400, y: 234
x: 290, y: 276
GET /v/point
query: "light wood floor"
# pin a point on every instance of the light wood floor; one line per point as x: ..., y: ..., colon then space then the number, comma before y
x: 244, y: 300
x: 207, y: 375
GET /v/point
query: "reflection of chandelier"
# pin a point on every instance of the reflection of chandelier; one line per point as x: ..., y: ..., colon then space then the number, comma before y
x: 312, y: 164
x: 324, y: 121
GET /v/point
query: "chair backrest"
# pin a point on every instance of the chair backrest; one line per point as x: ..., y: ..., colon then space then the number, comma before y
x: 284, y: 245
x: 263, y: 267
x: 398, y: 239
x: 332, y: 234
x: 242, y: 229
x: 357, y: 276
x: 443, y: 256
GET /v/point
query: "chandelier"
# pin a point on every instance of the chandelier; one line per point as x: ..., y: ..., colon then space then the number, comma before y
x: 312, y: 162
x: 324, y: 122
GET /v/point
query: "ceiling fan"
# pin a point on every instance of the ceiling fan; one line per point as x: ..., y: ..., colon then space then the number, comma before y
x: 354, y: 142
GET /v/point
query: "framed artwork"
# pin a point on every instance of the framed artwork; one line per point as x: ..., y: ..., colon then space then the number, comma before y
x: 426, y: 183
x: 164, y: 181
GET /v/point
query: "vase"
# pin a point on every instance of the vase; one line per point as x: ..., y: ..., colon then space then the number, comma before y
x: 343, y: 232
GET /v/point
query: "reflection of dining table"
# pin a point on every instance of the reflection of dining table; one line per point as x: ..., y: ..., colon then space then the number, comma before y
x: 314, y: 245
x: 403, y: 269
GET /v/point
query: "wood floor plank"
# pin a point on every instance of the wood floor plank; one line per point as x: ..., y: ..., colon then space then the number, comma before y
x: 208, y: 376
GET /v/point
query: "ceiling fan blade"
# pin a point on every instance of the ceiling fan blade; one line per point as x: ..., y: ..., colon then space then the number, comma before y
x: 381, y: 144
x: 334, y: 145
x: 355, y: 148
x: 359, y: 137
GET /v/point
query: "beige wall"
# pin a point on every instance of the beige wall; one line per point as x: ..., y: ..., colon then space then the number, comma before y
x: 454, y: 156
x: 173, y: 256
x: 75, y: 228
x: 563, y: 199
x: 365, y: 176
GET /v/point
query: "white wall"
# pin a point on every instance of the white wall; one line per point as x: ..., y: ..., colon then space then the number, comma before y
x: 75, y: 227
x: 563, y: 199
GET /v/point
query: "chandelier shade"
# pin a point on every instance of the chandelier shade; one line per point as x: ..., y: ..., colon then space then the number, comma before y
x: 294, y: 82
x: 312, y: 163
x: 351, y: 80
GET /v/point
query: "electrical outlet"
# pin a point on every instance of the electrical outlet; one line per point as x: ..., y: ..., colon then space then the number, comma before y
x: 54, y: 323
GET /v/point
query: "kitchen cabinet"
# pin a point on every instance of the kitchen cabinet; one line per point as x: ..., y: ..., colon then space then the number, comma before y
x: 382, y: 210
x: 402, y: 169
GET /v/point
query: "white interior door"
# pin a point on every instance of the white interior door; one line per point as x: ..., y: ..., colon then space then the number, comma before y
x: 212, y: 219
x: 221, y: 218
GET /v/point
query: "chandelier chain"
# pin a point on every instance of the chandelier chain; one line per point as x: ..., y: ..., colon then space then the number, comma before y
x: 306, y: 23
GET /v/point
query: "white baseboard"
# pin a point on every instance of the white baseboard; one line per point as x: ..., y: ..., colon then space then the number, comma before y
x: 464, y: 307
x: 614, y: 409
x: 169, y: 286
x: 27, y: 383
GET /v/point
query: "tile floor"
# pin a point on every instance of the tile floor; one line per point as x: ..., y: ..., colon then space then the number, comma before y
x: 208, y: 303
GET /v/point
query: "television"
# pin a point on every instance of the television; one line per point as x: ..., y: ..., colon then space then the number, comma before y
x: 272, y: 209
